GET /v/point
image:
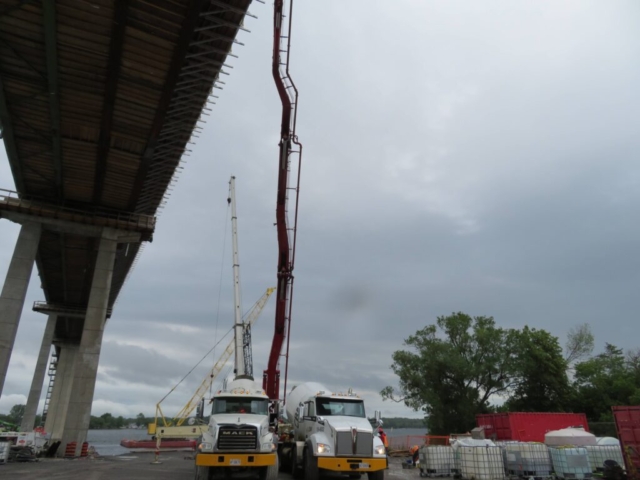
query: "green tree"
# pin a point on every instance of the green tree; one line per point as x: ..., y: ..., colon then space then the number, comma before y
x: 16, y: 413
x: 608, y: 379
x: 541, y: 383
x: 452, y: 370
x: 579, y: 343
x: 141, y: 420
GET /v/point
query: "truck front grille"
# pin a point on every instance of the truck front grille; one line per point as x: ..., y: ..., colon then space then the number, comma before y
x: 362, y: 448
x: 240, y: 437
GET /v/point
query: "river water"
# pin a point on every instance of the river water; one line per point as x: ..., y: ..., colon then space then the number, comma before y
x: 107, y: 442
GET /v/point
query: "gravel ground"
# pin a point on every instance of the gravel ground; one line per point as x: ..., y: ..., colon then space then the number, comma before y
x: 175, y: 466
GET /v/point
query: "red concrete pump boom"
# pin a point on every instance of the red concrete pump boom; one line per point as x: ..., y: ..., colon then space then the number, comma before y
x: 289, y: 162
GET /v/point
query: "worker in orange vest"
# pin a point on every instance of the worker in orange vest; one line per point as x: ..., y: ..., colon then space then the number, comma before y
x: 414, y: 451
x: 383, y: 437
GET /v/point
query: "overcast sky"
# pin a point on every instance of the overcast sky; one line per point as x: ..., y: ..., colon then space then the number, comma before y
x: 459, y: 156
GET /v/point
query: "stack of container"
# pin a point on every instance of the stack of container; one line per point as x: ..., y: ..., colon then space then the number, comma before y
x: 436, y: 461
x: 527, y: 426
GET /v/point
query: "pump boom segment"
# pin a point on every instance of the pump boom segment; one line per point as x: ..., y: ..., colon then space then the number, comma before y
x: 290, y: 155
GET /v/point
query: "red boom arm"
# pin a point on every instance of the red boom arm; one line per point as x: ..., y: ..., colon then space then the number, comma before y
x: 286, y: 245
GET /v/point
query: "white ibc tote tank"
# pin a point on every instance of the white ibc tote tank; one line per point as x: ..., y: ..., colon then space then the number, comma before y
x: 607, y: 448
x: 527, y: 459
x: 436, y: 460
x: 571, y: 462
x: 478, y: 459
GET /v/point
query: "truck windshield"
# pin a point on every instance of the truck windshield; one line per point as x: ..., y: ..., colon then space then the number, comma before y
x: 339, y: 406
x: 257, y: 406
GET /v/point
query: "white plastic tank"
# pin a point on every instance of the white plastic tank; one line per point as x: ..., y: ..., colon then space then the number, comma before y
x: 436, y: 460
x: 571, y: 462
x: 598, y: 454
x: 607, y: 441
x: 527, y: 459
x: 478, y: 459
x: 576, y: 437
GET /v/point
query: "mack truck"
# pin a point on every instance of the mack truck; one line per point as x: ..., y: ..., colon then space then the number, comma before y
x: 324, y: 430
x: 238, y: 438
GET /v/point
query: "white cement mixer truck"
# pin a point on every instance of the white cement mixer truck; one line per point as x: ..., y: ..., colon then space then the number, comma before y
x: 238, y: 438
x: 328, y: 431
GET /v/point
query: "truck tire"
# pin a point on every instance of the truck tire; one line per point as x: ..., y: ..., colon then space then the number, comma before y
x: 202, y: 473
x: 270, y: 472
x: 311, y: 470
x: 296, y: 471
x: 377, y: 475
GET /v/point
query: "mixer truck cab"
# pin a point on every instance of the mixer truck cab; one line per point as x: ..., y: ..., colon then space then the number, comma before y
x: 329, y: 431
x: 238, y: 438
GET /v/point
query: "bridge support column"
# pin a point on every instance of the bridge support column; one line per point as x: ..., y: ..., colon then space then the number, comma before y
x: 84, y: 382
x: 29, y: 418
x: 59, y: 404
x: 14, y: 291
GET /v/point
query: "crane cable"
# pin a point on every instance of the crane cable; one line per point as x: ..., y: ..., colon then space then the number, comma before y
x: 196, y: 365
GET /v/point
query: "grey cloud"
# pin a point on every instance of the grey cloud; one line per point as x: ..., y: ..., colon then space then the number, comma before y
x: 477, y: 157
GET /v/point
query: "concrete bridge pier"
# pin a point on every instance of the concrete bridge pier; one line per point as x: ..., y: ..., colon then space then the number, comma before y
x: 70, y: 406
x: 29, y: 418
x: 14, y: 291
x: 59, y: 403
x: 84, y: 381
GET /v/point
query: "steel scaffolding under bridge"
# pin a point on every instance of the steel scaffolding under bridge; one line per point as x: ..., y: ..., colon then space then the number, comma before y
x: 98, y: 100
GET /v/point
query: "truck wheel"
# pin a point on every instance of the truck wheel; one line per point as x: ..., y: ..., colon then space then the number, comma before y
x: 377, y: 475
x: 202, y: 473
x: 311, y: 471
x: 270, y: 472
x: 296, y: 471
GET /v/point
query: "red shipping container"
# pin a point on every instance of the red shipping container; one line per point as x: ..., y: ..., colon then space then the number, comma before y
x: 628, y: 428
x: 527, y: 426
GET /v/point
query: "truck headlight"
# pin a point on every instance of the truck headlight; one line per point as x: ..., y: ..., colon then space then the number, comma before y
x: 380, y: 450
x: 269, y: 447
x: 205, y: 447
x: 323, y: 448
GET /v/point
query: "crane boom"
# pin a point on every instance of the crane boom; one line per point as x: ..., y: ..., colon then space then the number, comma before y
x: 289, y: 148
x: 238, y: 325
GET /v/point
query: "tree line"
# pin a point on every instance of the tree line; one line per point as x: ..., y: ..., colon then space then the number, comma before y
x: 106, y: 421
x: 464, y: 365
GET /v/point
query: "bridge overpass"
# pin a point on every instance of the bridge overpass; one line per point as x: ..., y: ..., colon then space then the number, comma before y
x: 98, y: 101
